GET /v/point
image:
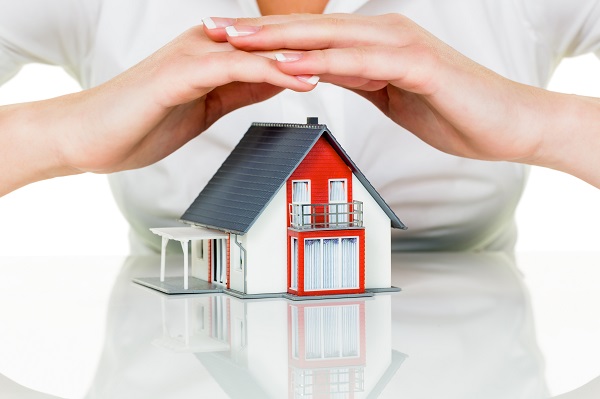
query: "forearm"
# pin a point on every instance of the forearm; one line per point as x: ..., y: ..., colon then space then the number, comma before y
x: 29, y: 144
x: 570, y: 127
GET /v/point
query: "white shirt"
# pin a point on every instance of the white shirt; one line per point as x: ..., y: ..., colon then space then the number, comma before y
x: 447, y: 202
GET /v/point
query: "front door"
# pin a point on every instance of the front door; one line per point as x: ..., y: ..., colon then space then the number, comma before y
x: 219, y: 261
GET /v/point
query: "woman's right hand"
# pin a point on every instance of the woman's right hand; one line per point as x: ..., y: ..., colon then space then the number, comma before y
x: 140, y: 116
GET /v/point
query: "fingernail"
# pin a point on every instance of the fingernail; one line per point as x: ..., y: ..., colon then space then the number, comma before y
x: 310, y: 79
x: 237, y: 31
x: 288, y: 57
x: 214, y: 22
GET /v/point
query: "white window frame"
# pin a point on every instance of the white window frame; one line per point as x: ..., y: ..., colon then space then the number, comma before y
x: 219, y: 255
x: 240, y: 265
x: 338, y: 218
x: 338, y: 266
x: 307, y: 219
x: 294, y: 263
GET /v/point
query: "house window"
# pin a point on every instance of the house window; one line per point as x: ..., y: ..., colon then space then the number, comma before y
x: 219, y: 261
x: 200, y: 249
x: 241, y: 261
x: 294, y: 271
x: 338, y: 194
x: 300, y: 195
x: 330, y: 263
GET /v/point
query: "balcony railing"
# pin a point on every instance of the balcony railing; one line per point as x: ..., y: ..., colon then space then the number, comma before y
x: 326, y: 216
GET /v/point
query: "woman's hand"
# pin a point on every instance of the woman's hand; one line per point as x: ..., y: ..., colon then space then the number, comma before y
x: 446, y: 99
x: 140, y: 116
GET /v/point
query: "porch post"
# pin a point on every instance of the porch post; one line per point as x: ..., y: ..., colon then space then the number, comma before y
x: 163, y: 250
x: 184, y: 246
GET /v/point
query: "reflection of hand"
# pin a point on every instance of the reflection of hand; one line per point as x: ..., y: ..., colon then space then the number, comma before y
x: 140, y: 116
x: 449, y: 101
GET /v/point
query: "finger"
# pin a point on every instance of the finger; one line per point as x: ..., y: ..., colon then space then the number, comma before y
x: 408, y: 68
x: 353, y: 83
x: 323, y: 32
x: 197, y: 75
x: 214, y: 27
x: 348, y: 82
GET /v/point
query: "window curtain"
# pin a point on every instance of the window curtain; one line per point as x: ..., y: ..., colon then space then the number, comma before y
x: 349, y: 262
x: 330, y: 263
x: 331, y: 273
x: 338, y: 194
x: 301, y: 195
x: 312, y: 264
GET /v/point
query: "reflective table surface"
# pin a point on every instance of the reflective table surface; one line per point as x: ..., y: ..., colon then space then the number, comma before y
x: 466, y: 325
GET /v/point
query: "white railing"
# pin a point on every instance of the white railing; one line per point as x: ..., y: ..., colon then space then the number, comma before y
x: 326, y: 216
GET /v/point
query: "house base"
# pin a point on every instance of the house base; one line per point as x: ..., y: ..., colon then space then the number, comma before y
x: 174, y: 286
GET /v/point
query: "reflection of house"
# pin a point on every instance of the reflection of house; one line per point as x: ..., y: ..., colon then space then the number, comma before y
x: 287, y: 212
x: 278, y: 349
x: 327, y: 349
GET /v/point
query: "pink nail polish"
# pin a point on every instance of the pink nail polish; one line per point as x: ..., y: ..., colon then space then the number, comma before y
x: 310, y: 79
x: 288, y: 57
x: 238, y: 31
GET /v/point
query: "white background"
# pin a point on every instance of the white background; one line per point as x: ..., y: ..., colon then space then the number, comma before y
x: 76, y: 215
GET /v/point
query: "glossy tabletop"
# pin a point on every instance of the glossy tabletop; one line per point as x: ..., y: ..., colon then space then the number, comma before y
x: 466, y: 325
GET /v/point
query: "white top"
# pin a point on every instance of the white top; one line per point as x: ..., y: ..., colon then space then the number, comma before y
x: 447, y: 202
x: 188, y: 233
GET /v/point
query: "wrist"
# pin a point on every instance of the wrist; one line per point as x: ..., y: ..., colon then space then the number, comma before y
x: 568, y: 125
x: 30, y: 145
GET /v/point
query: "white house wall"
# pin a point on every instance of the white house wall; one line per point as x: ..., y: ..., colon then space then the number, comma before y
x: 378, y: 244
x: 266, y: 246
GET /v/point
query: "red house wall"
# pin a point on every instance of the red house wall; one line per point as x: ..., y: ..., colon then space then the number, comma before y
x: 320, y: 164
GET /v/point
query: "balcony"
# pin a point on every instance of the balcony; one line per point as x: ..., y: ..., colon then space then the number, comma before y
x: 326, y: 216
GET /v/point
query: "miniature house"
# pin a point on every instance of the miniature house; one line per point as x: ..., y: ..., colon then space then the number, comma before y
x: 288, y: 213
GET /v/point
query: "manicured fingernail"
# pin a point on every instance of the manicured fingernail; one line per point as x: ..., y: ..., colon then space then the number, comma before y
x: 214, y: 22
x: 310, y: 79
x: 237, y: 31
x: 288, y: 57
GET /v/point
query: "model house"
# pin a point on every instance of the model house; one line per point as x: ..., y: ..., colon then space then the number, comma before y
x: 288, y: 213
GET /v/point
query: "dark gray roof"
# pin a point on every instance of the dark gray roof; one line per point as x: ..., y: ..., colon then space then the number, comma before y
x: 253, y: 173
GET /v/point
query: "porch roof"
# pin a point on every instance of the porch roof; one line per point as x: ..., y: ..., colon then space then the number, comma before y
x: 188, y: 233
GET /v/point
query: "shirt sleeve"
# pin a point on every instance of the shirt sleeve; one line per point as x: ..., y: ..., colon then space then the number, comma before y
x: 57, y: 32
x: 568, y: 28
